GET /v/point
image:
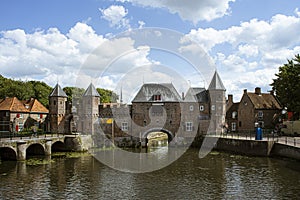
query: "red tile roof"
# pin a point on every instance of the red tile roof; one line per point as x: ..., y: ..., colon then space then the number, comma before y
x: 12, y: 104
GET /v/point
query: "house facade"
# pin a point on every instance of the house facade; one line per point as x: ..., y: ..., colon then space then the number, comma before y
x: 254, y: 107
x: 16, y: 115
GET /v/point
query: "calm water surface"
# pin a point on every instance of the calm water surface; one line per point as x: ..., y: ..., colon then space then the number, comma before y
x: 217, y: 176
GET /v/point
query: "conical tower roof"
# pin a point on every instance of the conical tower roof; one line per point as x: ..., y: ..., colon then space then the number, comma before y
x: 58, y: 92
x: 91, y: 91
x: 216, y: 83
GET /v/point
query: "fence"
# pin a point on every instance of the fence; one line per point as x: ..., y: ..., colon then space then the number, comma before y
x: 267, y: 135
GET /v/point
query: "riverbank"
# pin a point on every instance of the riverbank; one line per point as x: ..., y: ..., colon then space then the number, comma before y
x: 266, y: 148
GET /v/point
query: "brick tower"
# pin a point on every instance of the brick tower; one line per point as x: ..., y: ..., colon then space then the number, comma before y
x: 217, y: 104
x: 89, y: 111
x: 57, y: 109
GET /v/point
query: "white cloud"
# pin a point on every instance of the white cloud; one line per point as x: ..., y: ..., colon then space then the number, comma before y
x: 49, y: 55
x: 249, y: 55
x: 116, y: 16
x: 192, y: 10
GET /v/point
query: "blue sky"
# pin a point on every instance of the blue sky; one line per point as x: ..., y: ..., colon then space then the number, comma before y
x: 50, y: 40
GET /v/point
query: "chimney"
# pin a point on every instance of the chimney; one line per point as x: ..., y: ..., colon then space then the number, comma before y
x: 229, y: 101
x: 182, y: 96
x: 245, y: 91
x: 258, y: 91
x: 230, y: 98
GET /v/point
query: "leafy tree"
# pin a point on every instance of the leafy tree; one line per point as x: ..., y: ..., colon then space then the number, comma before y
x: 287, y: 85
x: 107, y: 96
x: 73, y: 92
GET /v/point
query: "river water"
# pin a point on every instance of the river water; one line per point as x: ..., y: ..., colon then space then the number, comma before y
x: 217, y: 176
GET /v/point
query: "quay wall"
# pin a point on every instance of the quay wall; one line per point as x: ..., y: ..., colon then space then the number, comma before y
x: 247, y: 147
x: 287, y: 151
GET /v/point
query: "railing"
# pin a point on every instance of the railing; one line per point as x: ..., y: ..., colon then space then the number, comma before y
x: 267, y: 135
x: 27, y: 135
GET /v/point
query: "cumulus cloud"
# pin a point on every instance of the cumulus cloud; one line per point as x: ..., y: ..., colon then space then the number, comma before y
x: 116, y: 16
x: 50, y: 55
x: 192, y: 10
x: 252, y: 51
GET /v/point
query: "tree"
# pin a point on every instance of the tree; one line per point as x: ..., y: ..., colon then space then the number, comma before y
x: 286, y: 85
x: 107, y: 96
x: 73, y: 92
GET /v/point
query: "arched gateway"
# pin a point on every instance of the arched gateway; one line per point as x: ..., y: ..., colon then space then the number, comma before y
x: 169, y: 133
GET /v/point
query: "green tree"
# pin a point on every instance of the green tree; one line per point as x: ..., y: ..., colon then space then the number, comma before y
x: 107, y: 96
x: 286, y: 85
x: 73, y: 92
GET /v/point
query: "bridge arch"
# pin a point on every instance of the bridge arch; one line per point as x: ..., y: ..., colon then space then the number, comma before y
x: 35, y: 149
x: 169, y: 133
x: 58, y: 146
x: 8, y: 153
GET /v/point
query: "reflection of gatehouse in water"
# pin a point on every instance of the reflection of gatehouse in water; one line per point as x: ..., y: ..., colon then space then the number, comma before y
x: 157, y: 108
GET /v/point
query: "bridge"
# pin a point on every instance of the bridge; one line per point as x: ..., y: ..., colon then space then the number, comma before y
x: 19, y: 148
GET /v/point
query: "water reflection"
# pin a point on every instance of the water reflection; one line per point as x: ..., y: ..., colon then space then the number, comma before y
x: 217, y: 176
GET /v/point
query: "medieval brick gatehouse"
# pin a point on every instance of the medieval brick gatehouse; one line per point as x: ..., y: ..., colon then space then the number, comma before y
x: 156, y: 107
x: 254, y: 107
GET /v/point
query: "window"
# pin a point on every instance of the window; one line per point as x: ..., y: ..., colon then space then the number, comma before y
x: 233, y: 126
x: 124, y: 126
x: 234, y: 114
x: 201, y: 108
x: 156, y: 97
x: 213, y: 107
x: 191, y: 107
x: 54, y: 102
x: 260, y: 114
x: 7, y: 114
x: 189, y: 126
x: 20, y: 126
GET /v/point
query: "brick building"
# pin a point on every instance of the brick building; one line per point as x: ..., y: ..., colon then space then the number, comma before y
x: 16, y: 115
x: 254, y: 107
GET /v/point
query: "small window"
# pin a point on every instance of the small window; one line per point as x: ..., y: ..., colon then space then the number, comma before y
x: 7, y: 114
x: 260, y: 114
x: 124, y: 126
x: 189, y: 126
x: 201, y: 108
x: 191, y: 107
x: 234, y: 114
x: 233, y: 126
x: 213, y: 107
x: 54, y: 102
x: 156, y: 97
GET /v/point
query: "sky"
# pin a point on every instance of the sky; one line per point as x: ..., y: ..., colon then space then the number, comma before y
x: 120, y: 45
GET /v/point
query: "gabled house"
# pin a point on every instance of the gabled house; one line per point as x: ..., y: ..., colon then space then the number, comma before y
x: 254, y: 107
x: 16, y: 115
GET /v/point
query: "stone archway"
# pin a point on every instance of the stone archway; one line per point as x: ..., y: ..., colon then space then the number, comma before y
x: 7, y: 153
x: 58, y: 146
x: 35, y: 149
x: 169, y: 133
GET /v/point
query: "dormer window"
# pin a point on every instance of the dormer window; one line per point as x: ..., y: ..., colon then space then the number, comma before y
x: 156, y: 97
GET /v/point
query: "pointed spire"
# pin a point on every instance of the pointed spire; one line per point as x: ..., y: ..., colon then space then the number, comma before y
x: 58, y: 92
x: 216, y: 83
x: 91, y: 91
x: 121, y: 95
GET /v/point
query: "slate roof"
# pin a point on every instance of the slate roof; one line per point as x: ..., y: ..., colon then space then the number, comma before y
x: 166, y: 90
x: 216, y: 83
x: 58, y: 92
x: 91, y: 91
x: 264, y: 101
x: 196, y: 94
